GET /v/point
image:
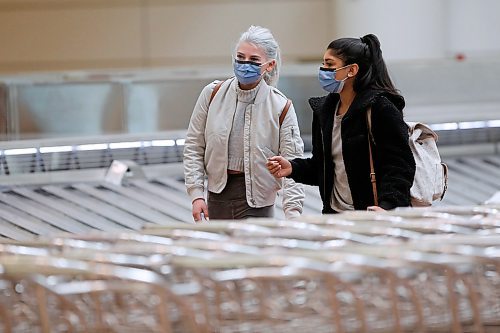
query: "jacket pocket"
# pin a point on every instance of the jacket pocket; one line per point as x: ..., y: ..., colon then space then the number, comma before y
x: 290, y: 140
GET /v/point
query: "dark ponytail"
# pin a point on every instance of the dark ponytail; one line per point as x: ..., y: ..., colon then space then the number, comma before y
x: 381, y: 79
x: 365, y: 52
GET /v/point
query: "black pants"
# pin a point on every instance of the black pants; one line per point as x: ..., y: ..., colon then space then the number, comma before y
x: 231, y: 203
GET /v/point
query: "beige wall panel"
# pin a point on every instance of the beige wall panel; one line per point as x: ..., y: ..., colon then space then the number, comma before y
x: 85, y: 34
x: 204, y: 33
x: 70, y: 35
x: 46, y: 4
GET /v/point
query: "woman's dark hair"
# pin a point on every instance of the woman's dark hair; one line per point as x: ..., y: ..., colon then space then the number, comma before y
x: 365, y: 52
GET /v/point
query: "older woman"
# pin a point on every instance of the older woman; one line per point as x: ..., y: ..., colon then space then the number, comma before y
x: 235, y: 126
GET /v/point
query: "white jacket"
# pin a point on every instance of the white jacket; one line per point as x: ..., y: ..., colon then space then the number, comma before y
x: 206, y: 146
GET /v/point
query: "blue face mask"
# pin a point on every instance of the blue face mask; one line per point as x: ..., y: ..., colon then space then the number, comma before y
x: 247, y: 72
x: 327, y: 79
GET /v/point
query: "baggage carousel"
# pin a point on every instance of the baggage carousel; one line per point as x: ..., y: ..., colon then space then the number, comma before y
x: 69, y: 185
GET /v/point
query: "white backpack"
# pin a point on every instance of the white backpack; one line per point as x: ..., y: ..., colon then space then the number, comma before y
x: 431, y: 175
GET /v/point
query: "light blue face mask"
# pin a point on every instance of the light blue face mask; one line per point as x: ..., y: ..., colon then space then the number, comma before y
x: 247, y: 72
x: 328, y: 81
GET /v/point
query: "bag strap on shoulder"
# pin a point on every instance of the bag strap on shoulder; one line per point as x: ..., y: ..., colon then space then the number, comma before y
x: 216, y: 89
x: 369, y: 122
x: 282, y: 115
x: 373, y: 177
x: 285, y: 111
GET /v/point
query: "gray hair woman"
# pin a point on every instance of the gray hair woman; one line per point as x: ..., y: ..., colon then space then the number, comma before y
x: 236, y: 125
x: 263, y: 38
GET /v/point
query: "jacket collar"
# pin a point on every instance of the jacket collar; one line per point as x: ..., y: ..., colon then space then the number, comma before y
x: 326, y: 103
x: 363, y: 100
x: 262, y: 94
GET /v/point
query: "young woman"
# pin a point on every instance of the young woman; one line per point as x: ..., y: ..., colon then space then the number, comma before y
x: 234, y: 128
x: 355, y: 75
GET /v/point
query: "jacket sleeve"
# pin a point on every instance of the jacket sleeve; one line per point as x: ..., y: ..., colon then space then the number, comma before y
x: 194, y: 146
x: 291, y: 146
x: 304, y: 170
x: 396, y: 165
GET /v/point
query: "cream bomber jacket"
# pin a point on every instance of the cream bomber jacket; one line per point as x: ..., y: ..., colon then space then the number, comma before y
x: 206, y: 146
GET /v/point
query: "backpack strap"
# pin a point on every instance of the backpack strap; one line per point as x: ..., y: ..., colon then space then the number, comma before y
x: 285, y: 111
x: 216, y: 89
x: 373, y: 177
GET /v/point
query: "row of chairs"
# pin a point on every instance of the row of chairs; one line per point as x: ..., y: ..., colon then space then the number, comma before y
x: 418, y: 270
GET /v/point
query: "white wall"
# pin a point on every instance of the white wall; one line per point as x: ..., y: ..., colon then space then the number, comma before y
x: 474, y: 28
x: 406, y: 29
x: 422, y: 29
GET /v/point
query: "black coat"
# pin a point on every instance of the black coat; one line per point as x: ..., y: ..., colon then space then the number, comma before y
x: 393, y: 159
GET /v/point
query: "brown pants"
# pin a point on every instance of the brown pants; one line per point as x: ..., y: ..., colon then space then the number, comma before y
x: 231, y: 203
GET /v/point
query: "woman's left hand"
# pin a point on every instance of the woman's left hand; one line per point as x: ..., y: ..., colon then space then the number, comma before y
x: 375, y: 209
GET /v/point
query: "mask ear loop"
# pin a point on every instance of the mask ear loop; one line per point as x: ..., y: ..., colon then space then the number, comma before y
x: 263, y: 74
x: 349, y: 75
x: 342, y: 82
x: 264, y: 64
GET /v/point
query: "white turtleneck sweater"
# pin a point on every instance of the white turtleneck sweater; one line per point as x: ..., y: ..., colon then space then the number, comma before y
x: 235, y: 149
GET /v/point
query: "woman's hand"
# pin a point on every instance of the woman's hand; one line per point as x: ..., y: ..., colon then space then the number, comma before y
x: 279, y: 166
x: 375, y: 209
x: 200, y: 207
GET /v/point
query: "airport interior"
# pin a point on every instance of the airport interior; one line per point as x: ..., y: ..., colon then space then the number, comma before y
x: 96, y: 225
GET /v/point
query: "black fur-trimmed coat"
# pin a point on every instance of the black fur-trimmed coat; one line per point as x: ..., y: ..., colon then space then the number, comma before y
x: 393, y: 159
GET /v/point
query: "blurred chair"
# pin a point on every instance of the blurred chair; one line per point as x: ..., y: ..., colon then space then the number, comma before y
x: 44, y: 294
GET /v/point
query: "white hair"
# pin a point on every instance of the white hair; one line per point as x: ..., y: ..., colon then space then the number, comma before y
x: 263, y: 38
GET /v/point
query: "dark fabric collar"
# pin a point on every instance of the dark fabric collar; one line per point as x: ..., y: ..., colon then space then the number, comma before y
x: 362, y: 101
